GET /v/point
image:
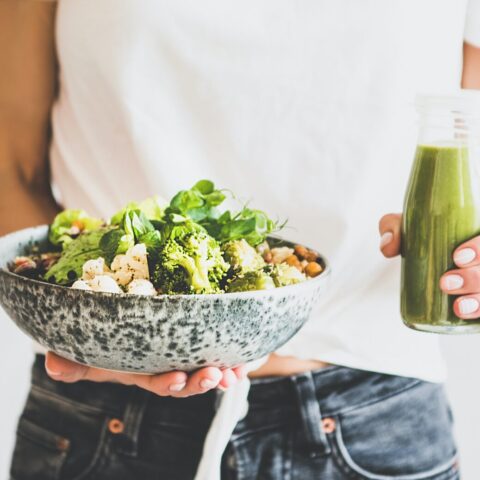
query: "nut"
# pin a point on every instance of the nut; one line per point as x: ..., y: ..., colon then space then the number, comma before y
x: 293, y: 261
x: 313, y: 269
x: 311, y: 256
x: 280, y: 254
x: 301, y: 251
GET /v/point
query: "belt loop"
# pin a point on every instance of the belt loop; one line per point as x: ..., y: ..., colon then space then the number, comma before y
x: 310, y: 414
x: 132, y: 419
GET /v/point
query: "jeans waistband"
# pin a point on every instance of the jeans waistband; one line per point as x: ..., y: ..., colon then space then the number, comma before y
x: 337, y: 389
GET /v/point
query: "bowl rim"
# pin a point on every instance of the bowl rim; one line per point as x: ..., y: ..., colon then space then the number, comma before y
x: 321, y: 278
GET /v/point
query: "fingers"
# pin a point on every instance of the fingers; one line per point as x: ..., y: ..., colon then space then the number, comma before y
x: 467, y: 307
x: 59, y: 368
x: 468, y: 254
x: 64, y: 370
x: 228, y: 379
x: 175, y: 384
x: 390, y: 227
x: 240, y: 372
x: 465, y: 281
x: 459, y: 282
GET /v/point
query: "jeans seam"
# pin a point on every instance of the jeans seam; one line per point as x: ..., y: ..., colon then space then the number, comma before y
x: 39, y: 443
x: 348, y: 464
x: 100, y: 455
x: 359, y: 406
x: 69, y: 402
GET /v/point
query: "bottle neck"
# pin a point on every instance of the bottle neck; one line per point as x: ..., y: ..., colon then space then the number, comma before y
x: 448, y: 128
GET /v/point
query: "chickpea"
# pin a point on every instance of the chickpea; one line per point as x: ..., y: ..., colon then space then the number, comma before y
x: 313, y: 269
x: 301, y: 251
x: 312, y: 256
x: 293, y: 260
x: 268, y: 257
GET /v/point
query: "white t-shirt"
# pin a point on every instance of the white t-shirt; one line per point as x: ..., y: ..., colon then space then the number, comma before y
x: 306, y: 108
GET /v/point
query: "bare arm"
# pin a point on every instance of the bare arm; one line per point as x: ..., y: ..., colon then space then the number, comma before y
x: 27, y: 90
x: 471, y: 67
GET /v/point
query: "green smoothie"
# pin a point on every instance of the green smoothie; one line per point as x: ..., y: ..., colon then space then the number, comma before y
x: 441, y: 211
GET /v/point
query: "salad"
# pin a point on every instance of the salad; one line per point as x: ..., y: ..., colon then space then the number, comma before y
x: 188, y: 246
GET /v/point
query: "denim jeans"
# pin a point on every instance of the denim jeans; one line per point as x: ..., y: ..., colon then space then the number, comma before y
x: 332, y: 424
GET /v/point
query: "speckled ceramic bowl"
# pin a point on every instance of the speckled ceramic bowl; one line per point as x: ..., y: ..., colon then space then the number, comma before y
x: 151, y: 334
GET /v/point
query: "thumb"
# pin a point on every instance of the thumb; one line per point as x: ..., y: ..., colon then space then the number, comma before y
x: 389, y: 227
x: 59, y: 368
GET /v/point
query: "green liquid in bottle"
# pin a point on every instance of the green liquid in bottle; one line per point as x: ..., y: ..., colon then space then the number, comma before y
x: 441, y: 211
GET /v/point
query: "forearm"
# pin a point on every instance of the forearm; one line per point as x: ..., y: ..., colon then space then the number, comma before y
x: 471, y: 67
x: 23, y: 204
x: 28, y: 82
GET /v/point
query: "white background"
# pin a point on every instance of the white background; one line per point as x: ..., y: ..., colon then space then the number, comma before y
x: 463, y: 357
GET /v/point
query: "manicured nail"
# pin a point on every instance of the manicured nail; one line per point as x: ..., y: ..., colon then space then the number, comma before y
x: 207, y: 383
x: 452, y: 282
x: 53, y: 373
x: 385, y: 239
x: 464, y: 256
x: 468, y: 305
x: 177, y: 387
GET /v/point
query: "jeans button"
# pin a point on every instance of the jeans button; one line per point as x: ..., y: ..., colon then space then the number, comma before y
x: 116, y: 426
x: 328, y: 425
x: 63, y: 444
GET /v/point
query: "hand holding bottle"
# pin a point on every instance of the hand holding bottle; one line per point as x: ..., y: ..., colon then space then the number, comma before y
x: 463, y: 281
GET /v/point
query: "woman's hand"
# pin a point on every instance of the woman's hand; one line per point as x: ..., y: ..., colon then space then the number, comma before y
x: 173, y: 384
x: 464, y: 281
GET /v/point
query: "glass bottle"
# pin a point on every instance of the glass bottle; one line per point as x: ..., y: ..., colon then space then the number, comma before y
x: 441, y: 209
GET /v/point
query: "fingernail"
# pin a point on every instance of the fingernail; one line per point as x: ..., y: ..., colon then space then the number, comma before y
x: 231, y: 379
x: 464, y: 256
x: 53, y: 373
x: 207, y: 383
x: 468, y: 305
x: 176, y: 387
x: 385, y: 239
x: 452, y: 282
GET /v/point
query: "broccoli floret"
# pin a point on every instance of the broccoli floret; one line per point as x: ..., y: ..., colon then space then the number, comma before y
x: 253, y: 280
x: 284, y: 274
x: 190, y: 261
x: 242, y: 256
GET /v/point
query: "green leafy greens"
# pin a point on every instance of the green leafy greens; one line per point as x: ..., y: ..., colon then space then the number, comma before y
x: 69, y: 224
x: 193, y: 246
x: 75, y: 253
x: 201, y: 203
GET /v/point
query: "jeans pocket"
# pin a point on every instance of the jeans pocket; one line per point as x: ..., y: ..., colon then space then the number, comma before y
x: 38, y: 453
x: 59, y: 439
x: 407, y: 436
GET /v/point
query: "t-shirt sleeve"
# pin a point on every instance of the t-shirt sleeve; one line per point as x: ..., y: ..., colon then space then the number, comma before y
x: 472, y: 23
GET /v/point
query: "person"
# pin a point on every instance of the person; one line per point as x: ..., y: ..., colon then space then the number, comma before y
x: 305, y: 108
